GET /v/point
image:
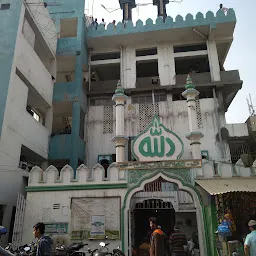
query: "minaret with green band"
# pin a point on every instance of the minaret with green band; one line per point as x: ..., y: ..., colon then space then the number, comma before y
x: 194, y: 135
x: 120, y: 98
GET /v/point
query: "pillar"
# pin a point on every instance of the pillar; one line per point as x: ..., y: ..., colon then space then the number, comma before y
x: 120, y: 98
x: 213, y: 61
x: 161, y: 8
x: 194, y: 135
x: 127, y: 12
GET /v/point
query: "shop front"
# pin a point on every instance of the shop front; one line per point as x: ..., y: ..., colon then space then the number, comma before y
x: 234, y: 203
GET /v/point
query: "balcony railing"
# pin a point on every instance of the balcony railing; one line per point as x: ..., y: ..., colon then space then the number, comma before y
x: 60, y: 147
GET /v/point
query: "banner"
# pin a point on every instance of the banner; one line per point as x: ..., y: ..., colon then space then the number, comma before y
x: 98, y: 225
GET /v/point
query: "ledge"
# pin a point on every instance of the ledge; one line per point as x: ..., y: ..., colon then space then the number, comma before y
x: 76, y: 187
x: 169, y: 23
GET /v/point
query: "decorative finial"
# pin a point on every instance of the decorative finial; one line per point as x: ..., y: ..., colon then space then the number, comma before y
x: 119, y: 87
x: 189, y: 83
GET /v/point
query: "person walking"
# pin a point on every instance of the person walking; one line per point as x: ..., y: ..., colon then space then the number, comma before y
x: 44, y: 243
x: 177, y: 241
x: 250, y: 241
x: 158, y: 243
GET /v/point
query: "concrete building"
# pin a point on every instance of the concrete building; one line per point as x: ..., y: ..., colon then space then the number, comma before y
x: 28, y: 68
x: 122, y: 151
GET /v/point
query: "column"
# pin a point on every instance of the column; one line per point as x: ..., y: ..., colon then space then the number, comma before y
x: 213, y: 61
x: 49, y: 120
x: 194, y: 135
x: 127, y: 12
x: 161, y: 8
x: 75, y: 135
x: 120, y: 98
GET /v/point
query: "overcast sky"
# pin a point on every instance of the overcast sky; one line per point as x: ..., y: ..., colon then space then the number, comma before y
x: 242, y: 54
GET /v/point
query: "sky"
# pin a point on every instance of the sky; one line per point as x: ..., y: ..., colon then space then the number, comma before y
x: 241, y: 56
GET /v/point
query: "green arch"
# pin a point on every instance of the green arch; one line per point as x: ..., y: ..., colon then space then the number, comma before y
x: 138, y: 184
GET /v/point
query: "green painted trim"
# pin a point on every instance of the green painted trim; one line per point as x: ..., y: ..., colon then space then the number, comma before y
x: 76, y: 187
x: 189, y: 21
x: 160, y: 125
x: 138, y: 184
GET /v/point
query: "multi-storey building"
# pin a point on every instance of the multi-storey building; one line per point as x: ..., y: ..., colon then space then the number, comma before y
x: 142, y: 139
x: 28, y: 41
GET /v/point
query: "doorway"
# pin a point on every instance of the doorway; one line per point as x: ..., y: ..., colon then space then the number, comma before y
x: 165, y: 201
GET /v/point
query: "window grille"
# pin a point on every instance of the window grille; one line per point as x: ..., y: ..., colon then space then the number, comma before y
x: 147, y: 112
x: 108, y: 119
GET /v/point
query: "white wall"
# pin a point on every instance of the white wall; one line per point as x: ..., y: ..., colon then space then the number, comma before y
x: 173, y: 114
x: 33, y: 69
x: 40, y: 208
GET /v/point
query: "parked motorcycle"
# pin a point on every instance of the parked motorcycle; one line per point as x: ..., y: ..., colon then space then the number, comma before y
x: 71, y: 250
x: 103, y: 251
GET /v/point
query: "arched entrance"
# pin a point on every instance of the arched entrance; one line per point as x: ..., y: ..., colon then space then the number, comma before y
x: 159, y: 196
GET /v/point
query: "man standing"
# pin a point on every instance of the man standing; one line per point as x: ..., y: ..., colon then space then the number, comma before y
x: 178, y: 240
x: 250, y: 241
x: 44, y: 243
x: 158, y: 245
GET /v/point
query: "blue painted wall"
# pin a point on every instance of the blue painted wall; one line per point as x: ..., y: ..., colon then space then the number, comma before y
x: 189, y: 21
x: 9, y: 22
x: 73, y: 91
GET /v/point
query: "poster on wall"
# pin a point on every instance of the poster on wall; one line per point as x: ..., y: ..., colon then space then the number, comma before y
x: 56, y: 228
x: 98, y: 225
x: 95, y: 218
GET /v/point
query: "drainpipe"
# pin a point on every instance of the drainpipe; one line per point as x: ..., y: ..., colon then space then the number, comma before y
x: 218, y: 122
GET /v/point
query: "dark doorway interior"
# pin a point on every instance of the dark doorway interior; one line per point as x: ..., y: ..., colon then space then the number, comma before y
x: 165, y: 217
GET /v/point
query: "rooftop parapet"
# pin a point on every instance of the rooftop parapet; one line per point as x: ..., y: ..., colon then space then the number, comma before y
x: 189, y: 21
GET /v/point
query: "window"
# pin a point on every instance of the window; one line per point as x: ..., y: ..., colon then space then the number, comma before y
x: 108, y: 119
x: 105, y: 56
x: 5, y: 6
x: 146, y: 52
x: 148, y: 99
x: 190, y: 48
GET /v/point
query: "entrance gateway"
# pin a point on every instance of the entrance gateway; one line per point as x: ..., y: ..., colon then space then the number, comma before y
x: 160, y: 185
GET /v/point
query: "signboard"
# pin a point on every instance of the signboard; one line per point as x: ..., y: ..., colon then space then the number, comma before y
x: 88, y: 214
x: 98, y: 225
x: 162, y: 165
x: 56, y: 228
x: 157, y: 143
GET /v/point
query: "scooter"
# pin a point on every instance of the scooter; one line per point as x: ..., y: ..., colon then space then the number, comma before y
x: 103, y: 251
x: 71, y: 250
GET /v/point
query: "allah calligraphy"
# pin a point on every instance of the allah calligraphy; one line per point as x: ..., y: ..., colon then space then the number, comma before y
x: 157, y: 143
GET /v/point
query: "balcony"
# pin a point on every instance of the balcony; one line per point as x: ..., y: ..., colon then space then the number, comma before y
x: 228, y: 78
x: 65, y: 91
x: 31, y: 133
x: 60, y: 147
x: 68, y: 46
x: 237, y: 130
x: 32, y: 68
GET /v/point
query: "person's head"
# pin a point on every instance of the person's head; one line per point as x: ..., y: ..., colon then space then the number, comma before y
x: 103, y: 20
x: 176, y: 229
x: 252, y: 225
x: 38, y: 229
x: 153, y: 223
x: 114, y: 22
x: 221, y: 6
x: 96, y: 19
x: 145, y: 240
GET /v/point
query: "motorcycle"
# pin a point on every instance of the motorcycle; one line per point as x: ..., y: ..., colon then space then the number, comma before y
x: 103, y: 251
x: 71, y: 250
x: 193, y: 245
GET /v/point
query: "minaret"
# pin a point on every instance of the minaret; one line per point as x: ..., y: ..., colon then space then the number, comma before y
x: 120, y: 98
x: 194, y: 135
x: 161, y: 7
x: 127, y: 6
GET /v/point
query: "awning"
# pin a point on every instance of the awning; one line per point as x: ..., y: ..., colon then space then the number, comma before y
x: 221, y: 186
